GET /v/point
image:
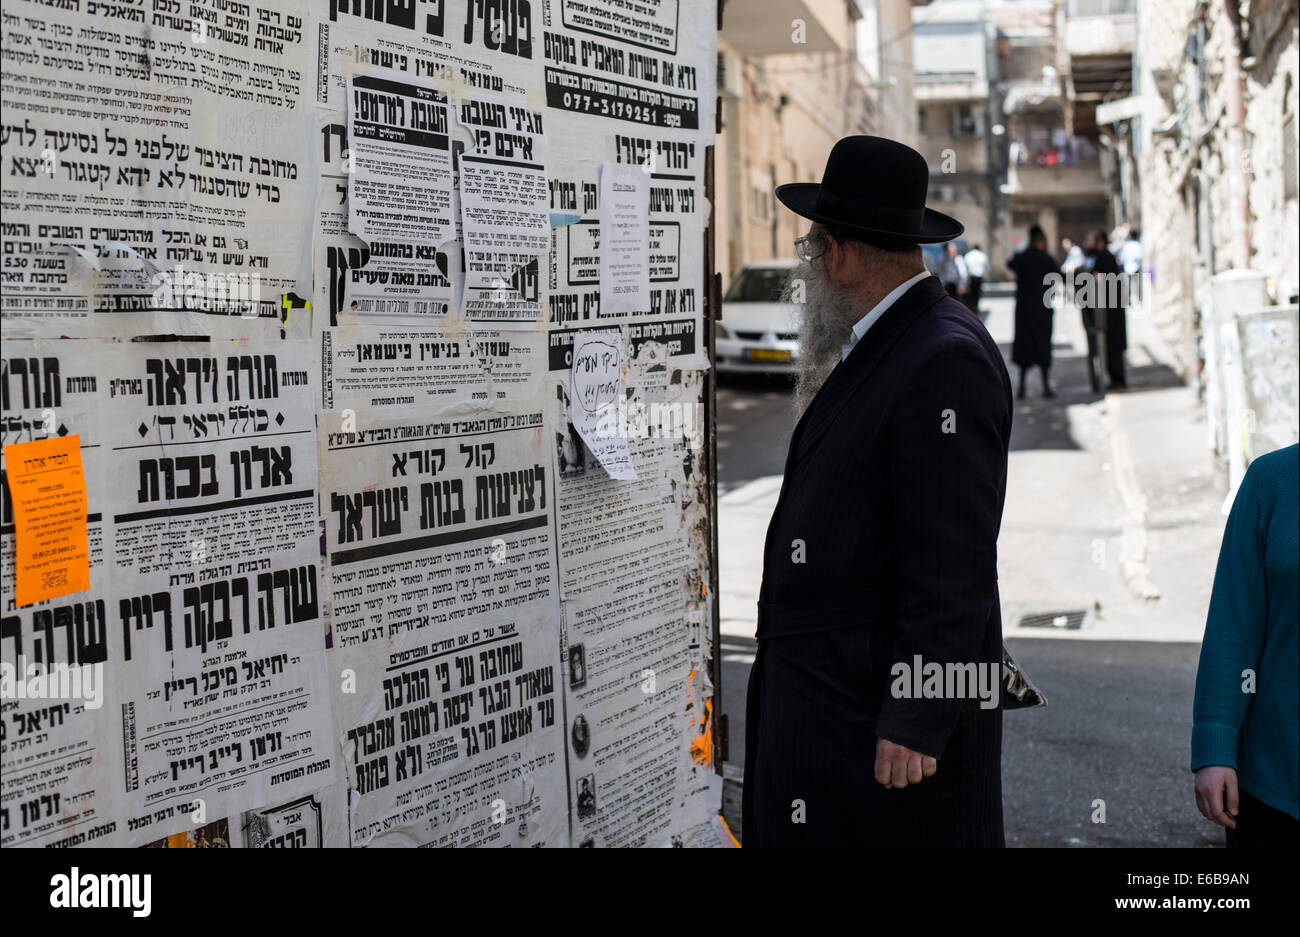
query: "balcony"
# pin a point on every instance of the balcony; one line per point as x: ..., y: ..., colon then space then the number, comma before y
x: 1065, y: 180
x: 766, y: 27
x: 950, y: 87
x: 1100, y: 27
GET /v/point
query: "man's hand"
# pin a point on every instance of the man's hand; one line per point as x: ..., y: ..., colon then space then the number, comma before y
x: 898, y: 766
x: 1214, y: 784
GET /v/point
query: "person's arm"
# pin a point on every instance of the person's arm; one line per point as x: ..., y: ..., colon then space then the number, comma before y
x: 947, y: 472
x: 1230, y: 651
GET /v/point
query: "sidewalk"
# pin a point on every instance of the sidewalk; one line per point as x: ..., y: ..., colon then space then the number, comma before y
x: 1113, y: 504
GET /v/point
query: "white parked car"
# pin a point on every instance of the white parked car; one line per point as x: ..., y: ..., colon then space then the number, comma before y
x: 758, y: 332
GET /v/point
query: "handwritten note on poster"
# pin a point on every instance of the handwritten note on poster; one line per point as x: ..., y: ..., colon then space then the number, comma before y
x: 47, y: 486
x: 596, y: 389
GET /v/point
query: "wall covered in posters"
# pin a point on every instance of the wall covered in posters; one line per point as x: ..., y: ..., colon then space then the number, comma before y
x: 352, y: 397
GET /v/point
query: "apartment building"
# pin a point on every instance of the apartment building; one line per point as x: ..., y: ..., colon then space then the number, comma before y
x: 794, y: 77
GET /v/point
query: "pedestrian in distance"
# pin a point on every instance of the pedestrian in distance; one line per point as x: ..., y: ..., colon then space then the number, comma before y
x: 951, y: 271
x: 977, y: 266
x: 1073, y: 258
x: 1035, y: 271
x: 1102, y: 292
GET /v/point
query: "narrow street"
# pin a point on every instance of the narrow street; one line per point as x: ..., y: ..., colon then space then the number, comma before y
x: 1106, y: 558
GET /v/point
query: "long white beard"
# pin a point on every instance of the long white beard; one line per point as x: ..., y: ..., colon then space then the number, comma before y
x: 828, y: 315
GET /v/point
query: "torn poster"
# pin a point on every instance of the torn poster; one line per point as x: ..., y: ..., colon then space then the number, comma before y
x: 596, y: 386
x: 399, y: 167
x: 505, y: 208
x: 478, y: 45
x: 632, y: 693
x: 484, y: 45
x: 624, y: 239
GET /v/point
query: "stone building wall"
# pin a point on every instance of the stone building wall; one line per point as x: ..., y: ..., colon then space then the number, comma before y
x: 1177, y: 175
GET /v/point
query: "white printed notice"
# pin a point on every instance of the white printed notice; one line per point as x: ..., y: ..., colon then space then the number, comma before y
x: 444, y: 608
x: 155, y: 181
x: 624, y: 239
x: 399, y: 183
x: 505, y: 208
x: 595, y: 386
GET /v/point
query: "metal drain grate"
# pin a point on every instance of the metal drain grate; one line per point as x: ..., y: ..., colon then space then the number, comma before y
x: 1064, y: 621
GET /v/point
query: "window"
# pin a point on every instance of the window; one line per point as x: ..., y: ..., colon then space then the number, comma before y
x: 760, y: 204
x: 964, y: 123
x: 760, y: 197
x: 920, y: 120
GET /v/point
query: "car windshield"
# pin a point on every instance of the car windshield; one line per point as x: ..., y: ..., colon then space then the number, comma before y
x: 757, y: 285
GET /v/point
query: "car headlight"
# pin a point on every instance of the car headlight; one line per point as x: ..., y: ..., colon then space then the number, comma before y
x: 722, y: 331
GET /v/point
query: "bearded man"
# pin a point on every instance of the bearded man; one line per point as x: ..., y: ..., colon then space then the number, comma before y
x: 881, y: 556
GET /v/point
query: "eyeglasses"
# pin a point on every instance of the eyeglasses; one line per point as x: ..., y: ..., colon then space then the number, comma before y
x: 803, y: 246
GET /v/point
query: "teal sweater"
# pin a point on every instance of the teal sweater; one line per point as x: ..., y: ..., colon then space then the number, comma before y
x: 1252, y: 625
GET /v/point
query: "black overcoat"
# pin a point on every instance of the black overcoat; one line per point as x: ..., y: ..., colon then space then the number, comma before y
x: 882, y: 546
x: 1032, y: 344
x: 1116, y: 324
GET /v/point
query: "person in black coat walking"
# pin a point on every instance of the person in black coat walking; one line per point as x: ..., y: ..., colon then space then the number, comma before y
x: 880, y: 565
x: 1035, y: 272
x: 1103, y: 297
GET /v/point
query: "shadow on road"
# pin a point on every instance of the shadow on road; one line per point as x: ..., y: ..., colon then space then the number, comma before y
x: 1041, y: 423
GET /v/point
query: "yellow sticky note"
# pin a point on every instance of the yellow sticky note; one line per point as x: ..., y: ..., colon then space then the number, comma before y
x: 47, y: 489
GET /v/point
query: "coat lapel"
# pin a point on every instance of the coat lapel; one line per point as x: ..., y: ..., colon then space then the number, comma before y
x: 865, y: 357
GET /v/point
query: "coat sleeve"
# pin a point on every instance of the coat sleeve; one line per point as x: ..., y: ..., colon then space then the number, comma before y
x: 1235, y: 628
x: 948, y: 471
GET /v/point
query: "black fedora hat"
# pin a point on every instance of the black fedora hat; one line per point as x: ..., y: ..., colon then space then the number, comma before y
x: 873, y: 188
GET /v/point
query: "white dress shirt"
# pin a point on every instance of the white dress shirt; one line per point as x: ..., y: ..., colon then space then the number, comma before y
x: 867, y: 321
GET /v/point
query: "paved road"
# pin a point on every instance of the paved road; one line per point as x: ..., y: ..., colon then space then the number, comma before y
x: 1120, y: 687
x: 755, y: 418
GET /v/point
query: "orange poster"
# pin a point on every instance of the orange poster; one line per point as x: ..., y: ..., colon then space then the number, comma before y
x: 47, y: 489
